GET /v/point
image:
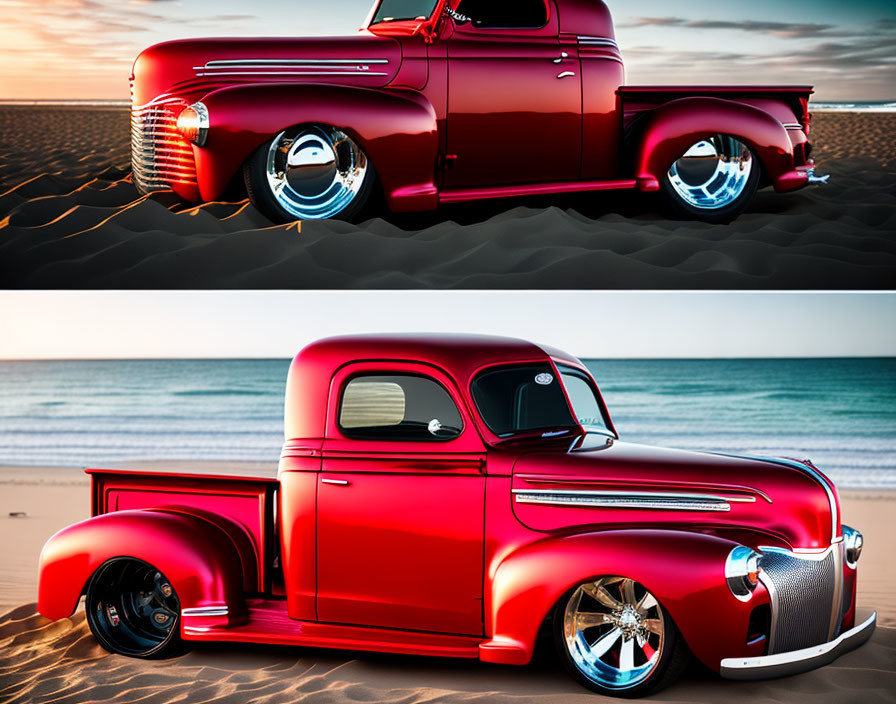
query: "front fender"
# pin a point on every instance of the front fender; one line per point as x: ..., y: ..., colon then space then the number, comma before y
x: 198, y: 559
x: 685, y: 571
x: 669, y: 130
x: 395, y: 128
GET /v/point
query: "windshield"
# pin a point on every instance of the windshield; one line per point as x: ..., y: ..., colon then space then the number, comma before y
x: 397, y: 10
x: 525, y: 398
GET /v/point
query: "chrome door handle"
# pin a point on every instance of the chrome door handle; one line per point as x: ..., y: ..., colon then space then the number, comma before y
x: 565, y: 74
x: 560, y: 58
x: 340, y: 482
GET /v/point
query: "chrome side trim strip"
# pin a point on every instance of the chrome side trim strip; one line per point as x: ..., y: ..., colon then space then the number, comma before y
x: 796, y: 661
x: 792, y: 126
x: 289, y: 62
x: 292, y: 73
x: 205, y: 611
x: 670, y: 501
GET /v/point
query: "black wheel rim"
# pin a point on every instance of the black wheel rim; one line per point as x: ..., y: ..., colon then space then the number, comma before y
x: 132, y: 607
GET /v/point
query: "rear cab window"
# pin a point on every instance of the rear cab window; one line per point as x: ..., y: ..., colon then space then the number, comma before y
x: 398, y: 407
x: 505, y: 14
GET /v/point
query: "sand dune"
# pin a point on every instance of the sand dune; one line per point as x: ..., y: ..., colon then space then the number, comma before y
x: 70, y: 218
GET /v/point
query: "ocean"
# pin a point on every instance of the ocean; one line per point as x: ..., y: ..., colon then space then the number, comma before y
x: 841, y: 413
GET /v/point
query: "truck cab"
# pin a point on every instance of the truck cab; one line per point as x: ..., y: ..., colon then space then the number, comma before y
x: 459, y: 496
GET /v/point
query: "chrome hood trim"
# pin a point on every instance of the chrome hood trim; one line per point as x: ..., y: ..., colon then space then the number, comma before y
x: 290, y: 67
x: 809, y: 471
x: 657, y: 500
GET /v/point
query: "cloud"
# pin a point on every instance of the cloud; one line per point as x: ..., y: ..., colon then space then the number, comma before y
x: 787, y: 30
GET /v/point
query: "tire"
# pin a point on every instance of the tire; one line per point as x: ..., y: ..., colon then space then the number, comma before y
x: 712, y: 181
x: 309, y: 172
x: 599, y: 628
x: 133, y: 610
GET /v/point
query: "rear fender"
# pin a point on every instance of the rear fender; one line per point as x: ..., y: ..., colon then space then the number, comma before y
x: 198, y: 558
x: 669, y: 130
x: 685, y: 571
x: 395, y: 128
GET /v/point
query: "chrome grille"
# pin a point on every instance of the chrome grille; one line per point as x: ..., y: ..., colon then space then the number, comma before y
x: 160, y: 157
x: 806, y: 597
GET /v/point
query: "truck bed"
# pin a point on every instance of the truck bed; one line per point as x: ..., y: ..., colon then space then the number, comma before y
x: 636, y: 99
x: 243, y: 507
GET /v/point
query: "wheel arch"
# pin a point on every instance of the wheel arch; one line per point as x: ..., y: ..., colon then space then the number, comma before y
x: 397, y: 130
x: 666, y: 132
x: 683, y: 570
x: 198, y: 559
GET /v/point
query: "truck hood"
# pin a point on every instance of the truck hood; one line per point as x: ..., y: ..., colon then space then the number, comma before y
x: 191, y: 68
x: 758, y: 501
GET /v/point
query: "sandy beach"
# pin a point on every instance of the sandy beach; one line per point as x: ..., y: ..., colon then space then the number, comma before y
x: 60, y: 662
x: 70, y: 218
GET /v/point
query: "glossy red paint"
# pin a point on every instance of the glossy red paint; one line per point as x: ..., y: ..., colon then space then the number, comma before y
x: 197, y: 557
x: 425, y: 547
x: 449, y: 111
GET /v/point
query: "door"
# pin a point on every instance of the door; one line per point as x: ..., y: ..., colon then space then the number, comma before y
x: 514, y: 97
x: 400, y: 507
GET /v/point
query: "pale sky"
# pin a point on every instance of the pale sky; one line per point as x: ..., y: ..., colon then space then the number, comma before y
x: 847, y: 49
x: 589, y: 324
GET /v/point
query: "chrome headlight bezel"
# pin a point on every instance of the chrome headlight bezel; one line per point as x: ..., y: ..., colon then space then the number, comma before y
x: 742, y: 568
x: 853, y: 542
x: 192, y: 123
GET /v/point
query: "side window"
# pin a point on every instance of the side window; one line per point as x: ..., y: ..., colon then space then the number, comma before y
x: 398, y: 407
x: 507, y: 14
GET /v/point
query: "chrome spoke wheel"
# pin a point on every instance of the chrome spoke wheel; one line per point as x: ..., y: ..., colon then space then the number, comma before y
x: 613, y: 629
x: 713, y: 173
x: 314, y: 171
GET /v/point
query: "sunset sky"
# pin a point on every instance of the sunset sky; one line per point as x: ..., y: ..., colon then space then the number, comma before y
x: 83, y: 49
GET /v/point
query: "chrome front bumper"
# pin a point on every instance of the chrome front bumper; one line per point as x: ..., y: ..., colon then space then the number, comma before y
x: 796, y: 661
x: 813, y: 179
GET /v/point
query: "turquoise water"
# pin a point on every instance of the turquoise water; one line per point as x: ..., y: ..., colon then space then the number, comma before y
x: 841, y: 413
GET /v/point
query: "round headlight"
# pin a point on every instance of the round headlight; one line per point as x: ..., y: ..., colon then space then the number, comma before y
x: 742, y: 570
x: 192, y: 123
x: 852, y: 542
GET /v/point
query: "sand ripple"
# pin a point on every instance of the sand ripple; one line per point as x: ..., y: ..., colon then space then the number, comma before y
x: 72, y: 219
x: 60, y: 662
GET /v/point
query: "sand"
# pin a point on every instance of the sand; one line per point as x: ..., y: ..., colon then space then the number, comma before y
x: 60, y: 662
x: 70, y: 218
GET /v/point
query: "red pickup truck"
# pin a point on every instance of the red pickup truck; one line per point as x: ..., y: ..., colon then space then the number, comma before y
x: 445, y: 101
x: 460, y: 496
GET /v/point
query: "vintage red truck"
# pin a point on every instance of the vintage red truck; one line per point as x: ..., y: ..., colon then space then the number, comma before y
x: 460, y: 496
x: 446, y: 101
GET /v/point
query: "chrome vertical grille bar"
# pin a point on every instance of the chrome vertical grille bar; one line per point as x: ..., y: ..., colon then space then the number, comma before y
x: 160, y: 157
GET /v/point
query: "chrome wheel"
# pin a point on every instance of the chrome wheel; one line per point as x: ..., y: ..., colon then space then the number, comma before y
x: 614, y: 632
x: 314, y: 171
x: 713, y: 173
x: 132, y: 609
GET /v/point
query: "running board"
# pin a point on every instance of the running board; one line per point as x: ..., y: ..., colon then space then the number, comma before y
x: 461, y: 195
x: 268, y: 622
